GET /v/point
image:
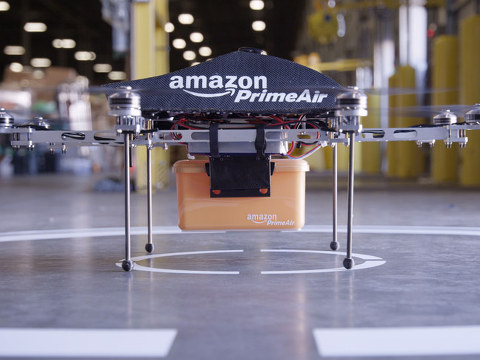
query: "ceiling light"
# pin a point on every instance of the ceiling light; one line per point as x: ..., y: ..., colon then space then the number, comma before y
x: 4, y: 6
x: 205, y: 51
x: 16, y: 67
x: 185, y: 19
x: 169, y: 27
x: 257, y: 4
x: 57, y: 43
x: 117, y: 75
x: 259, y: 25
x: 85, y: 56
x: 102, y: 68
x: 179, y: 43
x: 195, y: 63
x: 68, y: 43
x: 196, y: 37
x: 40, y: 62
x: 64, y: 43
x: 14, y: 50
x: 35, y: 27
x: 189, y: 55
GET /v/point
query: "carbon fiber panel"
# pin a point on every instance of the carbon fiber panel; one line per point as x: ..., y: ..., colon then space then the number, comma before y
x: 239, y: 82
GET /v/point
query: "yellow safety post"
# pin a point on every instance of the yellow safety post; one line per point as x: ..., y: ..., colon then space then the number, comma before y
x: 392, y: 122
x: 143, y: 39
x: 371, y: 151
x: 162, y: 63
x: 147, y: 33
x: 408, y: 159
x: 469, y: 95
x: 444, y: 162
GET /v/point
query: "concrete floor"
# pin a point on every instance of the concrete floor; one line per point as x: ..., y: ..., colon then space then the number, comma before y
x: 56, y: 279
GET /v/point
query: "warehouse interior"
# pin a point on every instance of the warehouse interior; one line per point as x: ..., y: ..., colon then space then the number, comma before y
x: 233, y: 292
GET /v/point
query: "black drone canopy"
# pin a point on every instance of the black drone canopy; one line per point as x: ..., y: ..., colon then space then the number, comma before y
x: 241, y: 81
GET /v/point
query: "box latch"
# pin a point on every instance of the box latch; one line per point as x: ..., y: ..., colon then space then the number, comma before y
x: 239, y: 175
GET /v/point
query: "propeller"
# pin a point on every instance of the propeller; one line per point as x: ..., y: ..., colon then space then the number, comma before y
x: 423, y: 111
x: 407, y: 112
x: 405, y: 91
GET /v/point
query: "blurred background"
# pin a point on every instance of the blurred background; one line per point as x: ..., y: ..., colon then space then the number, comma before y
x: 403, y: 53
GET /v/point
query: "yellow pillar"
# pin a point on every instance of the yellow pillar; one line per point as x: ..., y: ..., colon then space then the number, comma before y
x: 444, y: 161
x: 392, y: 122
x: 143, y: 39
x: 146, y: 33
x: 162, y: 64
x: 409, y: 160
x: 469, y: 95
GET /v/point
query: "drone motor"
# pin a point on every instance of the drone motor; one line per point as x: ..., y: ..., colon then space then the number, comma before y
x: 6, y: 120
x: 472, y: 117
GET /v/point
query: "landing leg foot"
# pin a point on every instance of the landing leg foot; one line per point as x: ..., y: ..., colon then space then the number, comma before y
x: 149, y: 248
x: 127, y: 265
x: 348, y: 263
x: 334, y: 245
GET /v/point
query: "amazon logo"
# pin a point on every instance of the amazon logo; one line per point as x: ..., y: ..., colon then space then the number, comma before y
x: 216, y: 85
x: 241, y: 88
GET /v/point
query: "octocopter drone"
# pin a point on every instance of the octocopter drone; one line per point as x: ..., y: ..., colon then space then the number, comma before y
x: 240, y: 110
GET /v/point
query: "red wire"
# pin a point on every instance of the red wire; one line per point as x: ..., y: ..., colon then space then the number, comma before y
x: 259, y: 120
x: 316, y: 146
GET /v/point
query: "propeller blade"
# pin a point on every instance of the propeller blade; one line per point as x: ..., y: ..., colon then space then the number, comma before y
x: 405, y: 91
x: 421, y: 111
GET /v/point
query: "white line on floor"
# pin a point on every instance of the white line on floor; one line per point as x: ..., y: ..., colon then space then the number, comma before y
x: 365, y: 265
x: 115, y: 343
x: 167, y: 230
x: 406, y: 341
x: 371, y: 261
x: 186, y: 253
x: 360, y: 256
x: 173, y: 271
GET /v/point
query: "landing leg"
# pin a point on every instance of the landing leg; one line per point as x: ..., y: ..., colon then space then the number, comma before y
x: 149, y: 245
x: 127, y: 264
x: 348, y: 261
x: 334, y: 245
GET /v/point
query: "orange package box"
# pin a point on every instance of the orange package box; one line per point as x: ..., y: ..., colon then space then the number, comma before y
x: 284, y: 209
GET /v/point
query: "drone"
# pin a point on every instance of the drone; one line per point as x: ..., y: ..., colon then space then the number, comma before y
x: 246, y: 111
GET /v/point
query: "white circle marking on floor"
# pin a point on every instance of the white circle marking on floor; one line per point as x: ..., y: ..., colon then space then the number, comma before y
x: 370, y: 261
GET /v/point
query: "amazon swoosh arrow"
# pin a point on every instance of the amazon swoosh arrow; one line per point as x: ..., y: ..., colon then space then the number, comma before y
x: 229, y: 91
